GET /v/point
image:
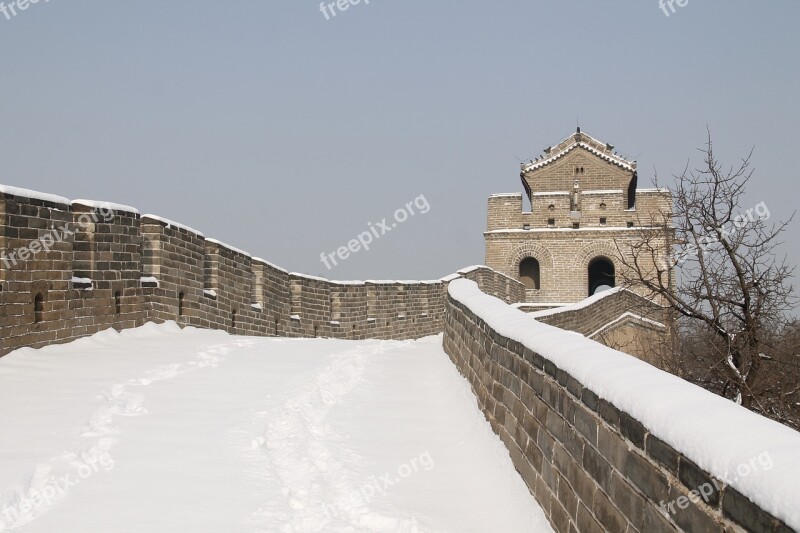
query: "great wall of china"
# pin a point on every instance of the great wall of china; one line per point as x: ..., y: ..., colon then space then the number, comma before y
x: 72, y: 268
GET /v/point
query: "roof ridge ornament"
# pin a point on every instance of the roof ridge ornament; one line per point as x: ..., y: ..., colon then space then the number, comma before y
x: 583, y: 140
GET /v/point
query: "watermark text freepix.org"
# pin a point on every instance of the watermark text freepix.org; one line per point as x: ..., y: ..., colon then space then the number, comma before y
x: 376, y: 231
x: 664, y: 4
x: 55, y: 235
x: 17, y: 6
x: 378, y: 485
x: 739, y: 222
x: 340, y: 5
x: 36, y: 499
x: 762, y: 461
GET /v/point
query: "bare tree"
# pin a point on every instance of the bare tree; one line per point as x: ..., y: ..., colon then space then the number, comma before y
x: 728, y: 292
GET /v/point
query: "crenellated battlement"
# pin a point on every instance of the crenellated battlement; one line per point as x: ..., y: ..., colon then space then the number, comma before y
x: 72, y: 268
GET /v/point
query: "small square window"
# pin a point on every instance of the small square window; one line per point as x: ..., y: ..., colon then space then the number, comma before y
x: 602, y: 221
x: 630, y: 224
x: 551, y: 222
x: 576, y: 225
x: 526, y: 226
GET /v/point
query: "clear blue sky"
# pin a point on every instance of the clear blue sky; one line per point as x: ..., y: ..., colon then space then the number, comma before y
x: 271, y: 128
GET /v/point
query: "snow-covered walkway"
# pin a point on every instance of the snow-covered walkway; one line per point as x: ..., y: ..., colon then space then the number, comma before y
x: 157, y: 429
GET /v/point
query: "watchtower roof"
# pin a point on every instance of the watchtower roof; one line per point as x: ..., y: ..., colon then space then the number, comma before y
x: 579, y: 140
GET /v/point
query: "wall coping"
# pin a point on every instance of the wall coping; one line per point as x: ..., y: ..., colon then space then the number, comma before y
x: 33, y: 195
x: 172, y: 224
x: 97, y: 204
x: 711, y: 431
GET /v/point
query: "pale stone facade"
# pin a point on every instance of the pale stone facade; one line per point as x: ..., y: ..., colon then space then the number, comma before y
x: 585, y: 211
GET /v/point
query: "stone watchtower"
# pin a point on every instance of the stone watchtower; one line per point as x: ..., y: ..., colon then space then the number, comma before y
x: 584, y: 203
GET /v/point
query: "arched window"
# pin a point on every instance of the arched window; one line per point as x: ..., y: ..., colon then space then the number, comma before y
x: 38, y: 307
x: 601, y: 275
x: 529, y: 273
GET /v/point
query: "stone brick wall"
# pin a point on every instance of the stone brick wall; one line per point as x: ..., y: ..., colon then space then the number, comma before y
x: 65, y: 271
x: 563, y: 235
x: 594, y: 314
x: 564, y: 256
x: 591, y: 466
x: 102, y: 265
x: 620, y: 319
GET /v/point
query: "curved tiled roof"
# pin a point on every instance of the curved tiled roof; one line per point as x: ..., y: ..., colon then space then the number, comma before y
x: 580, y: 140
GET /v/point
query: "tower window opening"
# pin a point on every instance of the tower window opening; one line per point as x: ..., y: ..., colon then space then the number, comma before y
x: 38, y: 307
x: 601, y: 275
x: 529, y: 273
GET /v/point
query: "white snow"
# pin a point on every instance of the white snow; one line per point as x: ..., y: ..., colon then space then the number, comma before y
x: 149, y: 279
x: 715, y: 433
x: 307, y: 276
x: 228, y: 246
x: 257, y: 307
x: 159, y: 429
x: 610, y: 157
x: 173, y: 224
x: 550, y: 230
x: 97, y: 204
x: 623, y: 316
x: 210, y: 292
x: 473, y: 268
x: 586, y: 302
x: 276, y: 267
x: 36, y: 195
x: 82, y: 281
x: 602, y: 191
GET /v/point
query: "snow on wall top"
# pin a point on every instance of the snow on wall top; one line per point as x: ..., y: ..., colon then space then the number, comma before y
x: 715, y: 433
x: 580, y: 140
x: 586, y: 302
x: 35, y: 195
x: 276, y: 267
x: 173, y: 224
x: 661, y: 190
x: 228, y: 246
x: 97, y: 204
x: 308, y: 276
x: 602, y: 191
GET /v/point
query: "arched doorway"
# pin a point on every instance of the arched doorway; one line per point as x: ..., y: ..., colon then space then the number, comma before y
x: 601, y: 275
x: 529, y: 273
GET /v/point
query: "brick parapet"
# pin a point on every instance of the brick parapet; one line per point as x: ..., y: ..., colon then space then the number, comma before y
x: 589, y: 464
x: 111, y: 267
